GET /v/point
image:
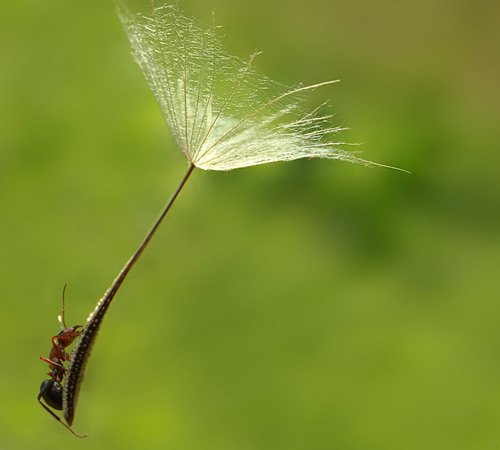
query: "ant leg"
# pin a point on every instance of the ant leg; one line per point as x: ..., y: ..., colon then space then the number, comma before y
x: 59, y: 349
x: 54, y: 415
x: 52, y: 363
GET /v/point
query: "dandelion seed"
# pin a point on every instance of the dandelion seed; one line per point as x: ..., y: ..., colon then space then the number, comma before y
x: 222, y: 114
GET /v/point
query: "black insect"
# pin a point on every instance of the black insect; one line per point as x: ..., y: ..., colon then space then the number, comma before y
x: 51, y: 390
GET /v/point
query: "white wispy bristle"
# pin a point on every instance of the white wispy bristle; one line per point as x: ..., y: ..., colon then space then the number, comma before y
x: 222, y: 113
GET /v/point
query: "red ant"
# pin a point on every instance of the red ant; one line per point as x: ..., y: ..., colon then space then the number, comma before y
x: 51, y: 390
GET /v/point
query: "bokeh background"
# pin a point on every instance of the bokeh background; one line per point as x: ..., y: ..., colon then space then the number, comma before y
x: 307, y: 305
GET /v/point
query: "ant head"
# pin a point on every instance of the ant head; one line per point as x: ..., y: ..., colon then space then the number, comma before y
x: 68, y: 335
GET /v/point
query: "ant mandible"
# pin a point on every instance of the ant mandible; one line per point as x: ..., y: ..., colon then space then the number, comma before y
x: 51, y: 390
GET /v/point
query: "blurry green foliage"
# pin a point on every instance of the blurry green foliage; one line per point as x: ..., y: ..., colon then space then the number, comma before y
x: 310, y: 305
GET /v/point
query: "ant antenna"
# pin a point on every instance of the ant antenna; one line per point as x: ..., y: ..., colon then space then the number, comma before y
x: 60, y: 318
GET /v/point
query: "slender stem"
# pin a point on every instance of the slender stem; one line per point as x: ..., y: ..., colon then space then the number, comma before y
x: 135, y: 257
x: 82, y: 348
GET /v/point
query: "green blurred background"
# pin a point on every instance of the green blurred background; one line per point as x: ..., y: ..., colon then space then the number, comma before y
x: 308, y: 305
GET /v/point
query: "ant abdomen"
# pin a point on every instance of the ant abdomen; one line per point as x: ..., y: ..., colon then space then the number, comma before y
x: 52, y: 394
